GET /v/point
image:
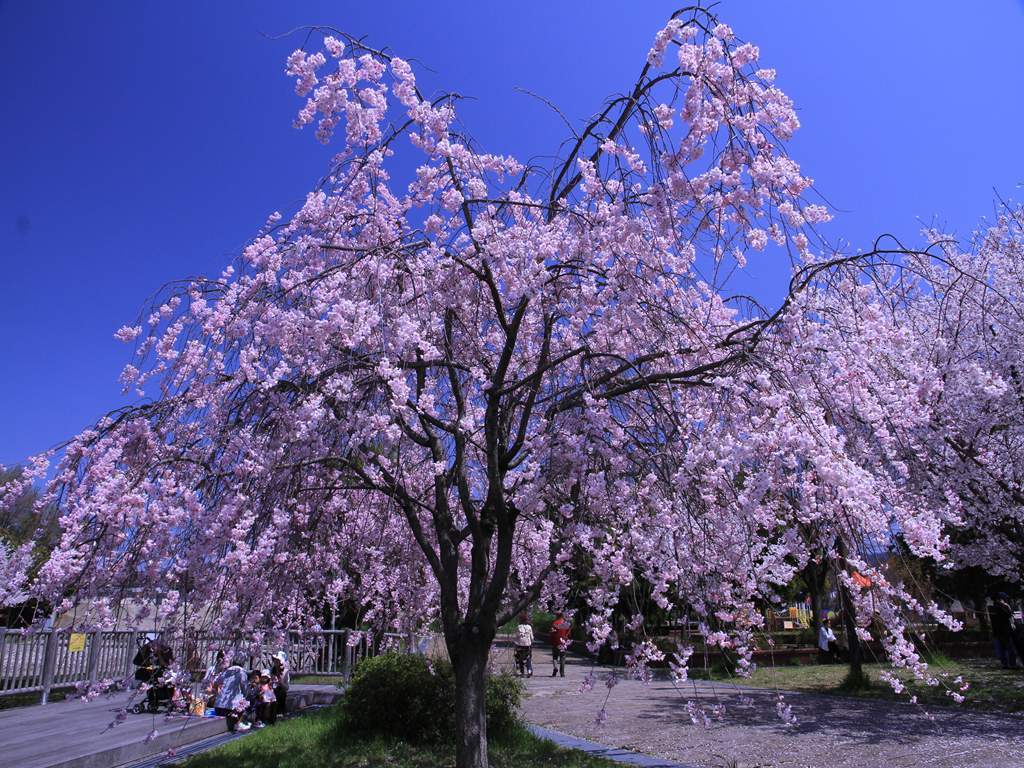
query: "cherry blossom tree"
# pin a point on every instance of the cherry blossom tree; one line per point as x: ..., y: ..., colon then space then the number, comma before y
x: 962, y: 309
x: 973, y: 316
x: 919, y: 369
x: 432, y: 397
x: 27, y: 532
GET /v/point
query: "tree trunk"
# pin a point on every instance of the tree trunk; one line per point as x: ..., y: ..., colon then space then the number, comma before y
x: 853, y: 644
x: 815, y: 575
x: 981, y: 611
x: 815, y: 612
x: 469, y: 660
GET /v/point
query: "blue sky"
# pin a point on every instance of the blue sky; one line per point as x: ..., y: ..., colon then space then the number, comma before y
x: 143, y: 142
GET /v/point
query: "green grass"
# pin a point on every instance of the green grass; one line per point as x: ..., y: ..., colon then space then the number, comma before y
x: 30, y: 699
x: 318, y: 740
x: 991, y: 688
x: 317, y: 679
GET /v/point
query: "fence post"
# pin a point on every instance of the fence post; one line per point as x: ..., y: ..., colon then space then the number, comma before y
x: 346, y: 658
x: 131, y: 646
x: 49, y: 664
x: 92, y: 665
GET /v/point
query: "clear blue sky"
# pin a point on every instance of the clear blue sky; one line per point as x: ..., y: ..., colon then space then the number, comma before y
x: 146, y: 141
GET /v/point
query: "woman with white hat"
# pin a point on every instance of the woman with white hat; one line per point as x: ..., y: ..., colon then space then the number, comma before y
x: 281, y: 679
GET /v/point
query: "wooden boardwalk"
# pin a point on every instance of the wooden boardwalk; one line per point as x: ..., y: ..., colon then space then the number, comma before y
x: 77, y: 734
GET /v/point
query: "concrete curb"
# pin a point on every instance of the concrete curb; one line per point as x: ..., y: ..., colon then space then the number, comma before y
x: 202, y: 729
x: 173, y: 735
x: 599, y: 750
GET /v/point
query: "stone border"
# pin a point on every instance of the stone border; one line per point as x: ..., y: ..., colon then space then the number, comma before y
x: 598, y: 750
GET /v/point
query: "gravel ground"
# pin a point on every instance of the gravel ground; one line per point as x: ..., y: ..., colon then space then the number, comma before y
x: 831, y: 732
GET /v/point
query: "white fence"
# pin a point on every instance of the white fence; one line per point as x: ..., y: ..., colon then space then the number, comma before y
x: 37, y: 662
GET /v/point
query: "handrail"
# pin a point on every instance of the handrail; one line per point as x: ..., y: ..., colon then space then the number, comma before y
x: 38, y: 661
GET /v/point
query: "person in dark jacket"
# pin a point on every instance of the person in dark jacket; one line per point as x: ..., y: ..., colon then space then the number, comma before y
x: 151, y: 662
x: 1001, y: 616
x: 280, y: 678
x: 1018, y: 640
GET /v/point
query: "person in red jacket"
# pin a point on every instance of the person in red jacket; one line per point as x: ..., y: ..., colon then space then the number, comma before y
x: 559, y: 643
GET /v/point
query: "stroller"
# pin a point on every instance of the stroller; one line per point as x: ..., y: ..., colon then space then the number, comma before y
x: 151, y: 663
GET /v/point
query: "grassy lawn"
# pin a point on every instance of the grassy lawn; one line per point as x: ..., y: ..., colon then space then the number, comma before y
x: 30, y: 699
x: 991, y: 688
x: 317, y: 679
x: 317, y: 741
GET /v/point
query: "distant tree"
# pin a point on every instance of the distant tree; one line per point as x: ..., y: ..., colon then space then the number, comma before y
x: 28, y: 532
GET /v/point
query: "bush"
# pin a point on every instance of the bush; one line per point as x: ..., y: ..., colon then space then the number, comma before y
x: 504, y: 693
x: 413, y: 698
x: 401, y: 695
x: 542, y: 621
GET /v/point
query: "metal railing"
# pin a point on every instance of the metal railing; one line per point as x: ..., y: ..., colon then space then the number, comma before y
x: 40, y: 661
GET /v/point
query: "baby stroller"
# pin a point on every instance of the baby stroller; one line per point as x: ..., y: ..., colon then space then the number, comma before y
x: 158, y: 697
x: 151, y: 662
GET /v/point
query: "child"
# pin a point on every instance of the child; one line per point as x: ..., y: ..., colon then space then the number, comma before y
x: 252, y: 693
x: 524, y: 646
x: 268, y: 700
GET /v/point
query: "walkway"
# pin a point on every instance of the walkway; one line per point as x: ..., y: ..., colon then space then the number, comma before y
x: 830, y: 731
x: 624, y: 756
x: 76, y: 734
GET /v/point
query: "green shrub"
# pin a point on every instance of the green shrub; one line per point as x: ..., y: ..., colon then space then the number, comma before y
x: 504, y: 693
x: 542, y: 621
x: 413, y: 698
x: 401, y: 695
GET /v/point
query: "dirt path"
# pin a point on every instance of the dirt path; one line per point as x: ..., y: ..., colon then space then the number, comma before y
x: 831, y: 732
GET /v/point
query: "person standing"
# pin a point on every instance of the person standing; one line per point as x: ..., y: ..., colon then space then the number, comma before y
x: 827, y: 643
x: 1001, y: 616
x: 559, y: 644
x: 523, y: 641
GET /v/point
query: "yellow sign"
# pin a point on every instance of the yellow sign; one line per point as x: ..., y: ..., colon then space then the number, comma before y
x: 76, y: 642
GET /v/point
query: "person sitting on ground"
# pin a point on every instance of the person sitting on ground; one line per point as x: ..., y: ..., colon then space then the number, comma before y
x: 1002, y: 631
x: 523, y: 641
x: 827, y: 643
x: 559, y: 644
x: 230, y: 699
x: 211, y: 680
x: 280, y: 679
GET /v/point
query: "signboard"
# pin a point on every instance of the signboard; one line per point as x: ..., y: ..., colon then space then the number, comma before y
x: 76, y: 642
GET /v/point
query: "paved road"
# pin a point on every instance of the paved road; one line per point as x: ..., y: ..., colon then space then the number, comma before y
x: 74, y: 731
x: 831, y: 732
x: 76, y: 734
